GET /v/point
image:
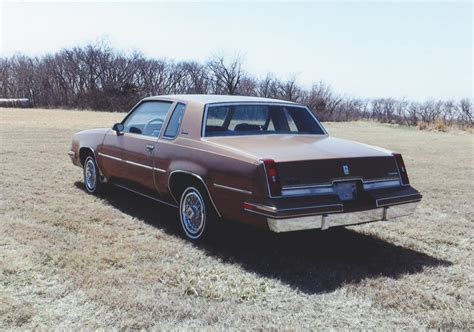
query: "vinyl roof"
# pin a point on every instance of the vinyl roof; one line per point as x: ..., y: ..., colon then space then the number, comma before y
x: 210, y: 99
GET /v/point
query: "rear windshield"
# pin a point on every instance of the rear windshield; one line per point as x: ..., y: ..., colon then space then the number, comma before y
x: 238, y: 120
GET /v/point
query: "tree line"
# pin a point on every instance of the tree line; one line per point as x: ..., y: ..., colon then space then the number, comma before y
x: 98, y: 77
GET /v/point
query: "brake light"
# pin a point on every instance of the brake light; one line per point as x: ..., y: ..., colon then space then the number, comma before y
x: 272, y: 177
x: 401, y: 168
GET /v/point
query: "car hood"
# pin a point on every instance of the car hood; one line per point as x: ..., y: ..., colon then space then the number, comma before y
x: 283, y: 148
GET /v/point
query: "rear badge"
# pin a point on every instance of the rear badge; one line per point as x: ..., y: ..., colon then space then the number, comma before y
x: 345, y: 168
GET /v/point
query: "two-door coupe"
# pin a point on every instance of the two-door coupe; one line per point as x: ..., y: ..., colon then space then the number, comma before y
x: 265, y: 162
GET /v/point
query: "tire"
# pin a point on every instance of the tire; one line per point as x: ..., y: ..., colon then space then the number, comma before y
x: 92, y: 182
x: 197, y: 215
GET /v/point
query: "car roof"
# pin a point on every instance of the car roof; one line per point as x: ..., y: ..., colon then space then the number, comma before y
x: 212, y: 99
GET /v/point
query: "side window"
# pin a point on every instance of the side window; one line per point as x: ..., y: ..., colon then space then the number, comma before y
x: 148, y: 118
x: 175, y: 122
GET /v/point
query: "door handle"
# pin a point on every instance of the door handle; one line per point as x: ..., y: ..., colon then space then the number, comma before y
x: 150, y: 147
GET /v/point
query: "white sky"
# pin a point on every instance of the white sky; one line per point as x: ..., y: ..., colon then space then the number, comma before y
x: 417, y: 50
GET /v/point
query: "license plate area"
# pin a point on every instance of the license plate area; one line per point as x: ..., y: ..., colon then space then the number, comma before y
x: 346, y: 191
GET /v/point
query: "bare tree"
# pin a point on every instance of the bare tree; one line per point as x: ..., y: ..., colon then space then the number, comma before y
x: 322, y: 100
x: 96, y: 76
x: 225, y: 74
x: 248, y: 86
x: 430, y: 111
x: 465, y: 108
x: 267, y: 87
x: 195, y: 78
x: 289, y: 90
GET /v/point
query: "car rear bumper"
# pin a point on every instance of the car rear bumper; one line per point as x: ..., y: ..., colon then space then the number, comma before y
x: 328, y: 220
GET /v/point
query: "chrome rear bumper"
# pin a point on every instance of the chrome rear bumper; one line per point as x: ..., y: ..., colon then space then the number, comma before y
x: 326, y: 221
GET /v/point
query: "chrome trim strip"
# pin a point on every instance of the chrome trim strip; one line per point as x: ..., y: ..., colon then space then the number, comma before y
x: 306, y: 187
x: 399, y: 196
x: 132, y: 163
x: 233, y: 189
x: 263, y: 207
x: 273, y: 209
x: 326, y: 190
x: 294, y: 215
x: 266, y: 180
x: 137, y: 164
x: 110, y: 157
x: 200, y: 179
x: 159, y: 170
x: 144, y: 195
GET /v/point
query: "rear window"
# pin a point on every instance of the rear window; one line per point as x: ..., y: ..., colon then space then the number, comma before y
x: 238, y: 120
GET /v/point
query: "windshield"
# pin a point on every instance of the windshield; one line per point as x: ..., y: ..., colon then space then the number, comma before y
x: 237, y: 120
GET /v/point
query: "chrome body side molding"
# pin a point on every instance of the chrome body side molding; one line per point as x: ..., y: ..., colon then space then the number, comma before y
x: 132, y: 163
x: 242, y: 191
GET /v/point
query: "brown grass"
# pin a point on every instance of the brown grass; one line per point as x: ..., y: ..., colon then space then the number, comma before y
x: 70, y: 260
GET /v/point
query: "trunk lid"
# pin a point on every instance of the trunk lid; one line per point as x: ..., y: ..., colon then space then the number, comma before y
x: 309, y: 159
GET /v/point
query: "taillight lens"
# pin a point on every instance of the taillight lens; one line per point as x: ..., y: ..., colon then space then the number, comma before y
x: 401, y: 168
x: 272, y: 177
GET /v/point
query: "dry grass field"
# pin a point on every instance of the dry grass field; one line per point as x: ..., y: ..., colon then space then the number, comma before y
x: 70, y: 260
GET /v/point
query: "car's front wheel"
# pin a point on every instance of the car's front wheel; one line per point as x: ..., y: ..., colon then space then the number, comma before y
x: 197, y: 215
x: 92, y: 182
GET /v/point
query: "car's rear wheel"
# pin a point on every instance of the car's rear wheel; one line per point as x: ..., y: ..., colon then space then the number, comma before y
x: 92, y: 182
x: 196, y: 214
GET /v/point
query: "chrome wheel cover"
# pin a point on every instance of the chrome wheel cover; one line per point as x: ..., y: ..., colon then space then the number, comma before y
x: 193, y: 213
x: 90, y: 174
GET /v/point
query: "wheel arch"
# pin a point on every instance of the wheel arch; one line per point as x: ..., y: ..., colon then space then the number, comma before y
x: 84, y: 152
x: 178, y: 180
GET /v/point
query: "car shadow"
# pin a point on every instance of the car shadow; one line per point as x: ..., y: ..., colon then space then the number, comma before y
x: 311, y: 261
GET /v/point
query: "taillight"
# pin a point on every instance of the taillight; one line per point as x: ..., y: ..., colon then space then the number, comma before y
x: 272, y: 177
x: 401, y: 168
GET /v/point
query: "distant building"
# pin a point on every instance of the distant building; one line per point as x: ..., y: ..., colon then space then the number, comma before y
x: 18, y: 102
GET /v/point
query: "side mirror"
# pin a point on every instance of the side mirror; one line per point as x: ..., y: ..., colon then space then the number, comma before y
x: 118, y: 127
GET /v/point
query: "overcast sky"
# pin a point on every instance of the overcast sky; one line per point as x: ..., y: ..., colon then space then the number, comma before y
x: 417, y: 50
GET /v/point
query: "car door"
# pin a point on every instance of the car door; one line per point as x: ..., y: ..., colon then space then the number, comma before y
x: 141, y: 131
x: 127, y: 157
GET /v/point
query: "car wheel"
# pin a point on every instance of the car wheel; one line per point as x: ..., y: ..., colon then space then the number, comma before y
x: 196, y: 214
x: 91, y: 176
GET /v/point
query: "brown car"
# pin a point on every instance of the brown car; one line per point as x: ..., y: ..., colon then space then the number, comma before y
x: 265, y: 162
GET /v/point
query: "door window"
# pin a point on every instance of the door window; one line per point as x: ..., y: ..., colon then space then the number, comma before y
x: 147, y: 119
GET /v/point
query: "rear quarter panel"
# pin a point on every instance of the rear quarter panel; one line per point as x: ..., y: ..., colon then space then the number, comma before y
x: 214, y: 165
